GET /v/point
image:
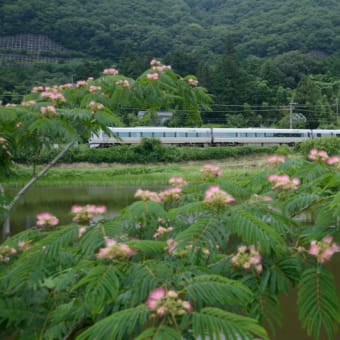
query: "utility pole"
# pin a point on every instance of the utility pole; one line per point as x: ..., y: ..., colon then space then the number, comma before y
x: 291, y: 108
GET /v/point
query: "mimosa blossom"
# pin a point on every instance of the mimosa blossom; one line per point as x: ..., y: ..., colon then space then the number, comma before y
x: 318, y: 155
x: 161, y: 231
x: 95, y: 106
x: 46, y: 219
x: 171, y: 194
x: 24, y: 245
x: 248, y: 258
x: 152, y: 76
x: 81, y: 83
x: 110, y: 71
x: 81, y: 231
x: 283, y: 182
x: 210, y: 171
x: 178, y: 182
x: 53, y: 95
x: 275, y: 160
x: 146, y: 195
x: 192, y: 82
x: 216, y: 197
x: 28, y: 103
x: 323, y: 250
x: 84, y: 214
x: 48, y: 111
x: 94, y: 88
x: 6, y: 252
x: 124, y: 83
x: 114, y: 249
x: 162, y: 302
x: 335, y: 160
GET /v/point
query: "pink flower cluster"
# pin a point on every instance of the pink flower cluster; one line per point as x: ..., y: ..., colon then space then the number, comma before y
x: 48, y: 111
x: 114, y: 249
x: 53, y: 95
x: 146, y: 195
x: 216, y: 197
x: 322, y: 156
x: 94, y: 88
x: 5, y: 253
x: 152, y: 76
x: 157, y: 66
x: 323, y: 250
x: 171, y: 194
x: 28, y: 103
x: 111, y: 71
x: 24, y: 245
x: 193, y: 82
x: 84, y: 214
x: 318, y: 155
x: 178, y: 182
x: 248, y: 258
x: 81, y: 83
x: 161, y: 231
x: 46, y: 219
x: 37, y: 89
x: 210, y: 171
x: 124, y: 83
x: 162, y: 302
x: 283, y: 182
x: 275, y: 159
x: 95, y: 106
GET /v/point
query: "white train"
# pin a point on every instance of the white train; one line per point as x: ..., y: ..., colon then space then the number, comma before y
x: 207, y: 136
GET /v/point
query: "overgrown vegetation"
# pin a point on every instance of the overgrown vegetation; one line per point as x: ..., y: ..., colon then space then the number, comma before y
x: 206, y: 257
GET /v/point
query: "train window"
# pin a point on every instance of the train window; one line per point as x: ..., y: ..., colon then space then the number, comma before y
x: 259, y: 134
x: 123, y: 134
x: 192, y: 134
x: 290, y: 134
x: 242, y: 134
x: 135, y: 134
x: 250, y: 134
x: 169, y: 134
x: 181, y: 134
x: 158, y: 134
x: 146, y: 134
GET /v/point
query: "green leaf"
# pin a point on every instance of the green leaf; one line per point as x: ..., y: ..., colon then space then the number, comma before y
x: 102, y: 286
x: 214, y: 322
x: 318, y: 302
x: 160, y: 333
x: 217, y: 290
x: 118, y: 326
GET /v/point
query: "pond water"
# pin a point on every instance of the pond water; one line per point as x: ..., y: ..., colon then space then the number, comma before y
x: 58, y: 201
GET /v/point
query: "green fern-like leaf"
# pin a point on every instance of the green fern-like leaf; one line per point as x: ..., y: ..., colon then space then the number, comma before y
x: 214, y: 322
x: 301, y: 203
x: 102, y: 286
x: 254, y: 230
x: 160, y: 333
x: 205, y: 231
x: 318, y: 302
x: 148, y: 248
x: 118, y: 326
x: 212, y: 290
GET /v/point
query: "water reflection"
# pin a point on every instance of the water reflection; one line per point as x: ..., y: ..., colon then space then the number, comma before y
x: 59, y: 200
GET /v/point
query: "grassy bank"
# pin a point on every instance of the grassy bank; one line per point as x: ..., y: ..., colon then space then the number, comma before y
x: 137, y: 175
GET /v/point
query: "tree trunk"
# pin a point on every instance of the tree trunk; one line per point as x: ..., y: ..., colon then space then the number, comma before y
x: 10, y: 206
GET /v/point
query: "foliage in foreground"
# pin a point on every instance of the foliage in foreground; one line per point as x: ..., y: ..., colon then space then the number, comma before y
x: 198, y: 259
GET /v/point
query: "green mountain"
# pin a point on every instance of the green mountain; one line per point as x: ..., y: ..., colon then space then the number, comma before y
x: 110, y: 28
x: 254, y: 56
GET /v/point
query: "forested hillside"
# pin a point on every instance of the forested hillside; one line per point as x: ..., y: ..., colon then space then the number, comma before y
x: 249, y: 54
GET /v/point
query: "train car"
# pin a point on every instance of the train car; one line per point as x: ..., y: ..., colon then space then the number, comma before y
x: 325, y: 133
x: 259, y: 136
x: 134, y: 135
